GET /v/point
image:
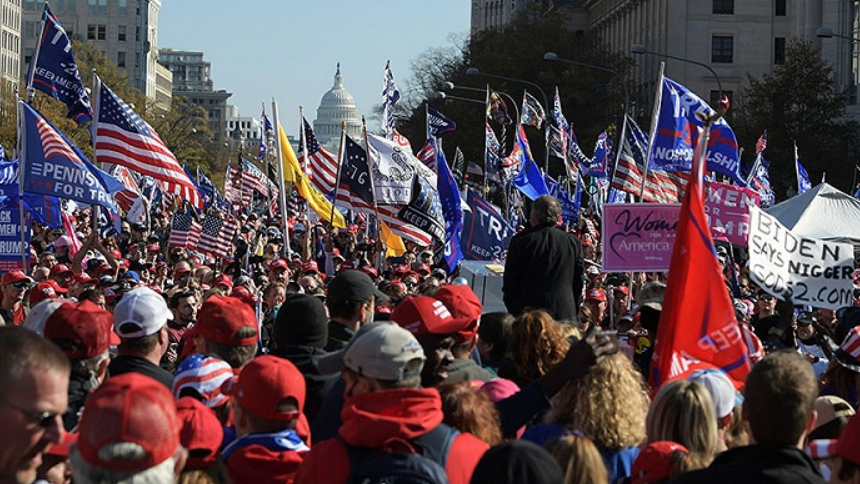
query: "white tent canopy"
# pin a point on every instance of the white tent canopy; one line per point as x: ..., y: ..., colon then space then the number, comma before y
x: 823, y: 213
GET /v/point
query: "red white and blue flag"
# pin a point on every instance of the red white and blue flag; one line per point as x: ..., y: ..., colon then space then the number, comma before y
x: 184, y: 231
x: 124, y: 138
x: 321, y: 165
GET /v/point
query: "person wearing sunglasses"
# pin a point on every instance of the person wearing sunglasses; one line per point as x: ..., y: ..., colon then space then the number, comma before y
x: 34, y: 375
x: 14, y: 284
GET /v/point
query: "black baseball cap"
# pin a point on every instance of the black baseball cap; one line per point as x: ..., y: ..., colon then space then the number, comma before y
x: 353, y: 286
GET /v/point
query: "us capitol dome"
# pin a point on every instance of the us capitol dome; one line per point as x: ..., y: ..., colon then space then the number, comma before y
x: 336, y: 106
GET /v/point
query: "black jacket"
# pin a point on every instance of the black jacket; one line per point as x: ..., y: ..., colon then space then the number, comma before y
x: 759, y: 464
x: 318, y: 384
x: 544, y: 271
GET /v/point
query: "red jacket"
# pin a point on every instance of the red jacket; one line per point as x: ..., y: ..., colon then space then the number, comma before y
x: 372, y: 419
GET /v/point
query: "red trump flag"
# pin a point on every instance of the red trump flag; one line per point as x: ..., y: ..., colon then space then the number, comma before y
x: 697, y: 327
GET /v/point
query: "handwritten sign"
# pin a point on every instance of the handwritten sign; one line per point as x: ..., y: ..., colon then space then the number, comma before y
x: 802, y: 270
x: 638, y: 236
x: 728, y: 211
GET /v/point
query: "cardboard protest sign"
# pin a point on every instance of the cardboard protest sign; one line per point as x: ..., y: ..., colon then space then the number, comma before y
x: 638, y: 236
x: 802, y: 270
x: 727, y: 208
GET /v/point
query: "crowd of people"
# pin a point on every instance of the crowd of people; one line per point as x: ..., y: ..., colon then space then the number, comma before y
x: 310, y: 357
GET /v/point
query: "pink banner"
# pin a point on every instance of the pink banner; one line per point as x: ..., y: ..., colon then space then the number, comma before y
x: 728, y: 211
x: 638, y: 236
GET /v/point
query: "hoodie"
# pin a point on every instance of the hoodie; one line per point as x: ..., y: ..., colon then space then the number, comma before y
x: 371, y: 420
x: 264, y: 458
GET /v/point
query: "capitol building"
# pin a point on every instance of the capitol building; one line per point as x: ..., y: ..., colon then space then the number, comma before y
x: 337, y: 106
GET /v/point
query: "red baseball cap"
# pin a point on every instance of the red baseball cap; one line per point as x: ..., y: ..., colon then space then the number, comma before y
x: 464, y: 306
x: 221, y: 317
x: 153, y: 248
x: 104, y: 268
x: 44, y: 290
x: 347, y: 265
x: 62, y: 449
x: 82, y: 330
x: 180, y: 272
x: 129, y: 409
x: 425, y: 315
x: 622, y: 289
x: 278, y: 264
x: 264, y: 383
x: 60, y: 269
x: 596, y: 295
x: 846, y: 446
x: 370, y: 271
x: 243, y: 294
x: 310, y: 266
x: 201, y: 433
x: 654, y: 463
x: 14, y: 276
x: 224, y: 280
x: 84, y: 278
x: 423, y: 268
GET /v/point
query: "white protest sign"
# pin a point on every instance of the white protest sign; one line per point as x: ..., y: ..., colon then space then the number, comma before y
x: 800, y: 269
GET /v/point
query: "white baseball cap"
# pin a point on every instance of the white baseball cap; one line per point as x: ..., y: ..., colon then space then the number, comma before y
x: 141, y: 312
x: 720, y: 387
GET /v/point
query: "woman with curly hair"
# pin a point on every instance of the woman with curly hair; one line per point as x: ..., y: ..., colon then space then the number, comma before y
x: 607, y: 405
x: 683, y: 412
x: 468, y: 410
x: 537, y: 343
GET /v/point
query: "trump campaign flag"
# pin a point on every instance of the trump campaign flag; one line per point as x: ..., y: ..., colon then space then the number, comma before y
x: 452, y: 209
x: 676, y: 134
x: 697, y: 327
x: 53, y: 69
x: 54, y: 166
x: 803, y: 183
x: 529, y: 180
x: 485, y: 232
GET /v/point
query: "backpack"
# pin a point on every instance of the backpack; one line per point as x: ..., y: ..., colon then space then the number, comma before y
x: 421, y: 460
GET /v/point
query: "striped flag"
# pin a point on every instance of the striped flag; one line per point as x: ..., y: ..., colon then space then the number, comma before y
x: 427, y: 155
x: 185, y: 231
x: 217, y: 236
x: 130, y: 200
x: 9, y: 172
x: 321, y: 165
x: 253, y: 179
x: 761, y: 144
x: 233, y: 188
x: 124, y: 138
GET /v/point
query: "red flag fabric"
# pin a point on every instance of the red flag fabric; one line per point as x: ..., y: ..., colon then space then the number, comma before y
x: 697, y: 327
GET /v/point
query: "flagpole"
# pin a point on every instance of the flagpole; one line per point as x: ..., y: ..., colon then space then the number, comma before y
x: 655, y: 116
x: 618, y: 149
x: 304, y: 139
x: 486, y: 123
x: 22, y: 157
x: 372, y: 189
x: 339, y: 164
x: 35, y: 59
x: 285, y: 250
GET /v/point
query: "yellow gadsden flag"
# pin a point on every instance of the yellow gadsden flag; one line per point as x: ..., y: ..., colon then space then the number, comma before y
x: 293, y: 173
x: 393, y: 243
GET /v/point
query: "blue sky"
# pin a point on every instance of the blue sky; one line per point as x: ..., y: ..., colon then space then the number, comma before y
x: 289, y: 50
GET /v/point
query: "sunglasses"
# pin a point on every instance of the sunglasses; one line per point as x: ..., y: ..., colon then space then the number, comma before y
x: 766, y: 298
x: 20, y: 284
x: 41, y: 419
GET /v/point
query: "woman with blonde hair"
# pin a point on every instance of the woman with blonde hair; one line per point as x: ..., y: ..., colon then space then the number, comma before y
x: 537, y: 343
x: 683, y: 412
x: 579, y: 459
x: 468, y: 410
x: 607, y: 405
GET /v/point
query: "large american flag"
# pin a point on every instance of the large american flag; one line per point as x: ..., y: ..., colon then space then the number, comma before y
x: 321, y: 164
x: 124, y: 138
x: 185, y: 231
x: 217, y: 236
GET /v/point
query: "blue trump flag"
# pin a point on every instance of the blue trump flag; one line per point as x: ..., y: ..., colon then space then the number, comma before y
x: 569, y: 204
x: 529, y: 180
x: 54, y: 72
x: 54, y: 166
x: 803, y: 183
x: 676, y: 135
x: 452, y: 210
x: 602, y: 158
x: 438, y: 123
x: 486, y: 234
x: 760, y: 181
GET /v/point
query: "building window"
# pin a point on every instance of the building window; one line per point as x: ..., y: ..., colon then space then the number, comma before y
x: 102, y: 32
x: 29, y: 29
x: 724, y: 7
x: 781, y: 8
x: 120, y: 59
x: 137, y: 34
x: 91, y: 32
x: 28, y: 55
x: 121, y: 33
x: 779, y: 50
x: 137, y: 59
x: 722, y: 48
x: 123, y: 7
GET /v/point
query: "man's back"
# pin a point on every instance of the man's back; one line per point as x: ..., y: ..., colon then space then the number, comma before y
x: 757, y: 464
x: 544, y: 270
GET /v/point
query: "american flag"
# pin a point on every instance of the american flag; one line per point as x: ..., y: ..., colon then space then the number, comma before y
x: 761, y: 144
x: 217, y: 236
x: 427, y: 154
x: 124, y: 138
x: 131, y: 195
x: 321, y: 164
x: 233, y: 189
x: 253, y: 178
x: 185, y: 231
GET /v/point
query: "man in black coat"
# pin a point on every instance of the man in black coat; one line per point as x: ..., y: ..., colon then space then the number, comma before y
x: 544, y: 265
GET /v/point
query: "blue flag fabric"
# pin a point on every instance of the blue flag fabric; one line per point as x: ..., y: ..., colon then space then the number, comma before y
x: 493, y: 160
x: 55, y: 166
x: 677, y: 134
x: 803, y: 183
x: 529, y: 180
x: 602, y: 159
x: 449, y: 197
x: 54, y: 70
x: 45, y: 209
x: 760, y: 181
x: 2, y: 154
x: 438, y: 123
x: 575, y: 153
x: 486, y: 234
x: 558, y: 115
x: 569, y: 205
x: 265, y: 130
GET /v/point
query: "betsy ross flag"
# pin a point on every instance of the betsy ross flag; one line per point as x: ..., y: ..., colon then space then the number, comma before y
x: 217, y: 236
x: 53, y: 69
x: 321, y: 164
x: 122, y: 137
x: 698, y: 329
x: 185, y: 231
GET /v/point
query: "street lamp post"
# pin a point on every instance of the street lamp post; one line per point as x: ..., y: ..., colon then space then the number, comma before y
x: 553, y: 57
x: 640, y: 49
x: 474, y: 71
x: 449, y: 86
